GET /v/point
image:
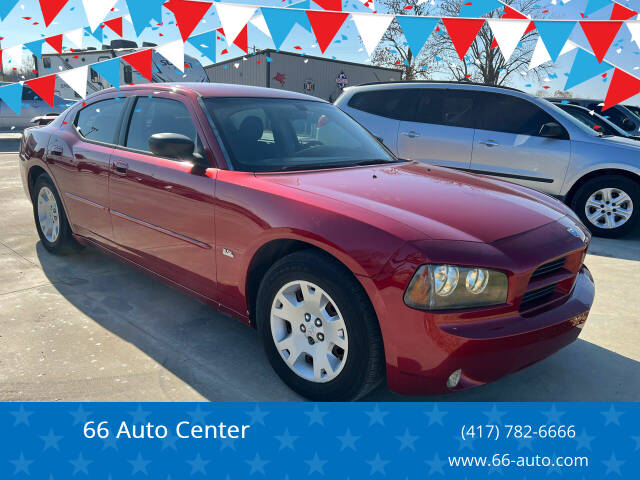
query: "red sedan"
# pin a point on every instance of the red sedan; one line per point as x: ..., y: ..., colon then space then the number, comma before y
x: 279, y: 209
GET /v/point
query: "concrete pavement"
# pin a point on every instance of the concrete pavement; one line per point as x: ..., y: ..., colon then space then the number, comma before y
x: 86, y: 327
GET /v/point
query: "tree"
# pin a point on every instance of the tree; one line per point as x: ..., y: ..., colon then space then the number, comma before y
x: 393, y: 51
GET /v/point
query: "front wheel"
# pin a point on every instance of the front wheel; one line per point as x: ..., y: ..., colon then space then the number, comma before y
x: 608, y: 205
x: 319, y: 329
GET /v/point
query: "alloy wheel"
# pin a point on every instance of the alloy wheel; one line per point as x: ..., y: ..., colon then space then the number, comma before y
x: 609, y: 208
x: 48, y: 214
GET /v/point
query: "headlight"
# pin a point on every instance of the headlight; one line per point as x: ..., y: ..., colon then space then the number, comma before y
x: 439, y: 287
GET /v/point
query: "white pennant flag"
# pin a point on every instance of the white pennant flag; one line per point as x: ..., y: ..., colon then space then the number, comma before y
x: 75, y: 37
x: 259, y: 22
x: 371, y: 28
x: 174, y: 52
x: 14, y: 54
x: 541, y: 55
x: 234, y: 18
x: 76, y: 78
x: 634, y: 30
x: 508, y: 33
x: 96, y: 10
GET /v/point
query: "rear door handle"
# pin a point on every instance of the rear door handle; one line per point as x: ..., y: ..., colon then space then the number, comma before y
x: 120, y: 167
x: 411, y: 134
x: 490, y: 143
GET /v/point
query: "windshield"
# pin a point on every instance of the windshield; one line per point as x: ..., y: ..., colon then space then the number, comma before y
x: 277, y: 134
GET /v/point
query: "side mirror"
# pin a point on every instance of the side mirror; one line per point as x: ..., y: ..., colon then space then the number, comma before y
x: 628, y: 125
x: 551, y: 130
x: 172, y: 145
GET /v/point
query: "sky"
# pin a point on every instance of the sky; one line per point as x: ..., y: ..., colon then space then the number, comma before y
x: 347, y: 45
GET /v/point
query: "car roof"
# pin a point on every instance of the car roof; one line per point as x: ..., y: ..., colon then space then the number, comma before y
x: 431, y: 84
x: 218, y: 90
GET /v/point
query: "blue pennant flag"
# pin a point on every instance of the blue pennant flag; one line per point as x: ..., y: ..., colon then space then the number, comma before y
x: 97, y: 33
x: 281, y: 21
x: 478, y: 8
x: 35, y: 47
x: 595, y: 5
x: 416, y: 30
x: 109, y: 70
x: 143, y: 11
x: 5, y: 7
x: 12, y: 96
x: 554, y: 35
x: 205, y: 43
x: 585, y: 66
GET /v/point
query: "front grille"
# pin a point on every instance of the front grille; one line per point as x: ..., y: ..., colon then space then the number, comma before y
x: 548, y: 268
x: 537, y: 296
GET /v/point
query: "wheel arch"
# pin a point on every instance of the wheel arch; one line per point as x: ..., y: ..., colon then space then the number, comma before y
x: 595, y: 174
x: 34, y: 172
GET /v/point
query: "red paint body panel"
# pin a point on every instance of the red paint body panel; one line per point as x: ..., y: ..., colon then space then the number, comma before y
x: 381, y: 222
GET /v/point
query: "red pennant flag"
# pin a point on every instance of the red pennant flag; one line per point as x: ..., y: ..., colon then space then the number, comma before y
x: 620, y: 12
x: 51, y: 9
x: 334, y: 5
x: 242, y: 40
x: 494, y: 44
x: 512, y: 13
x: 115, y: 25
x: 55, y: 42
x: 188, y: 14
x: 325, y: 26
x: 142, y: 61
x: 44, y: 87
x: 622, y: 86
x: 462, y: 32
x: 600, y: 34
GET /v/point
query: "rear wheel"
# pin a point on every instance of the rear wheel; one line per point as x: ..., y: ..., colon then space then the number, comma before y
x: 608, y: 205
x: 319, y: 329
x: 51, y: 221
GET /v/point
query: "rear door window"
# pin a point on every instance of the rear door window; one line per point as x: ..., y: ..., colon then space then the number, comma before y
x: 509, y: 114
x: 100, y: 121
x: 397, y: 103
x: 454, y: 108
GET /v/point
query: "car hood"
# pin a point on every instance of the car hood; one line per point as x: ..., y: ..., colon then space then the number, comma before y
x: 439, y: 203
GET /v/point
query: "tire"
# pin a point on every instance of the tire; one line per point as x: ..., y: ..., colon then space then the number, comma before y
x: 51, y: 220
x: 608, y: 222
x: 352, y: 371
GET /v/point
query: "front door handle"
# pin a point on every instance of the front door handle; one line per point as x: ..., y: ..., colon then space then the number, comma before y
x: 120, y: 167
x: 411, y: 134
x: 490, y: 143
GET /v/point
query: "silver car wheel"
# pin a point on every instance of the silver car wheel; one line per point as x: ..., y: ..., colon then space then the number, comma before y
x: 609, y: 208
x: 309, y: 331
x: 48, y: 214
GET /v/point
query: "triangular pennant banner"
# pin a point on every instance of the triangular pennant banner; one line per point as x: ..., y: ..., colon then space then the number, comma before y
x: 416, y: 30
x: 541, y: 55
x: 45, y: 87
x: 260, y: 23
x: 35, y: 47
x: 595, y: 5
x: 6, y: 7
x: 174, y: 52
x: 371, y: 28
x: 96, y: 10
x: 234, y: 18
x: 115, y: 25
x: 12, y: 95
x: 600, y: 35
x: 143, y: 11
x: 462, y: 32
x: 109, y: 70
x: 585, y: 66
x: 620, y: 12
x: 479, y: 8
x: 332, y: 5
x: 76, y: 78
x: 50, y: 9
x: 55, y: 42
x: 325, y: 26
x: 280, y: 22
x: 97, y: 33
x: 75, y: 37
x: 512, y: 13
x: 242, y: 40
x: 188, y: 14
x: 507, y: 33
x: 205, y: 43
x: 142, y: 61
x: 622, y: 87
x: 554, y: 34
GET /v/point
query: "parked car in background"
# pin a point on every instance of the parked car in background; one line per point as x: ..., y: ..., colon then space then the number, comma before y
x: 509, y: 134
x: 279, y: 209
x: 32, y: 106
x: 618, y: 114
x: 592, y: 120
x: 42, y: 120
x: 633, y: 109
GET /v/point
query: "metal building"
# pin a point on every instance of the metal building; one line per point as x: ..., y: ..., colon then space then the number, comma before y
x: 318, y: 76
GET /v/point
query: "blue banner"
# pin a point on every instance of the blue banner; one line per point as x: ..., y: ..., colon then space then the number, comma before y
x: 298, y: 440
